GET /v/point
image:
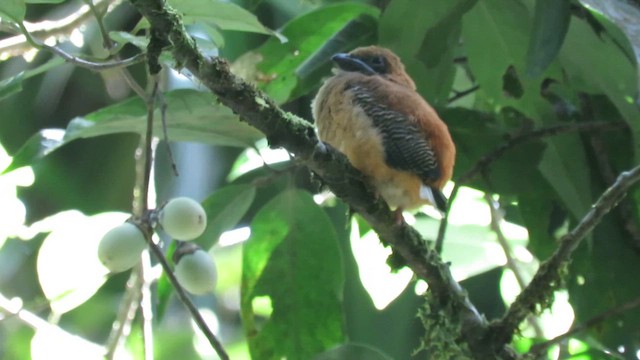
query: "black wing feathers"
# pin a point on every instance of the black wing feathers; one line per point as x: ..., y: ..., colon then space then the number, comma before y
x: 405, y: 145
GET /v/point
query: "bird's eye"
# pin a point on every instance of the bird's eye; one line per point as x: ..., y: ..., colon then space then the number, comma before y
x: 378, y: 64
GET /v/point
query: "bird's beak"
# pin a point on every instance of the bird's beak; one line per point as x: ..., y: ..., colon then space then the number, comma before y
x: 348, y: 62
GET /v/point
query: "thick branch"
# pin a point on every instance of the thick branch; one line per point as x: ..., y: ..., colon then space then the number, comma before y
x: 298, y: 137
x: 549, y: 276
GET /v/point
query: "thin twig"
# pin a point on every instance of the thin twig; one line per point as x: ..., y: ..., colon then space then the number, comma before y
x: 460, y: 94
x: 126, y: 313
x: 186, y: 300
x: 78, y: 61
x: 94, y: 66
x: 146, y: 305
x: 625, y: 209
x: 486, y: 160
x: 18, y: 45
x: 146, y: 154
x: 445, y: 220
x: 549, y: 276
x: 496, y: 220
x: 538, y: 349
x: 163, y: 117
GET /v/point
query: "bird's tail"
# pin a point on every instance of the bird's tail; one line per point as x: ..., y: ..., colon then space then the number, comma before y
x: 435, y: 197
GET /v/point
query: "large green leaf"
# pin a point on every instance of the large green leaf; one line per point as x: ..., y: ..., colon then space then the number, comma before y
x: 603, y: 277
x: 293, y: 259
x: 429, y: 41
x: 361, y: 30
x: 13, y: 10
x: 274, y: 65
x: 225, y: 208
x: 550, y: 25
x: 223, y: 14
x: 495, y: 35
x: 191, y: 116
x: 352, y: 352
x: 625, y: 15
x: 13, y: 85
x: 596, y: 65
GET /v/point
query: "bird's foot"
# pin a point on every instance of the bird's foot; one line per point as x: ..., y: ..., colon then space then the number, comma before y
x: 399, y: 217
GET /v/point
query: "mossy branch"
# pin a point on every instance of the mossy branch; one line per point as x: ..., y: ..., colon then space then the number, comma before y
x: 298, y: 136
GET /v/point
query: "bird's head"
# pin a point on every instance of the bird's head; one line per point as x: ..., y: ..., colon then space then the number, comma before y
x: 374, y: 61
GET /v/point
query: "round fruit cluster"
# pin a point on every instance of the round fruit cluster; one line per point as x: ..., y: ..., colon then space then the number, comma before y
x: 181, y: 218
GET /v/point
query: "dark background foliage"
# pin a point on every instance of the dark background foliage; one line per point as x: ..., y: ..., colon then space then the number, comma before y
x: 496, y: 70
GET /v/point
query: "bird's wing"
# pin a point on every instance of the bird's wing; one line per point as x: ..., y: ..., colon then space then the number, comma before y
x: 406, y: 146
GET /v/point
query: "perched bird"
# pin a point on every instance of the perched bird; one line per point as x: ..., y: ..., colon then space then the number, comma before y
x: 370, y: 111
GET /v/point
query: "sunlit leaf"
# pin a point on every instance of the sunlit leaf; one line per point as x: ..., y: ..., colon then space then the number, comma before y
x: 381, y: 283
x: 550, y: 25
x: 286, y: 260
x: 191, y: 116
x: 52, y: 342
x: 13, y: 10
x: 225, y: 15
x: 352, y: 352
x: 38, y: 145
x: 273, y: 65
x: 225, y: 208
x: 68, y: 267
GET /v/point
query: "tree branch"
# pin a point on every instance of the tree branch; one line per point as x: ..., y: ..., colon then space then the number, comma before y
x: 298, y: 136
x: 538, y: 349
x: 549, y: 276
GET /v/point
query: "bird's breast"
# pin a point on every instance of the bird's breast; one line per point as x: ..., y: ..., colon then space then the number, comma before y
x: 345, y: 126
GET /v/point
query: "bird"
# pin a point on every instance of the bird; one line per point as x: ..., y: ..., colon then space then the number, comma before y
x: 370, y: 110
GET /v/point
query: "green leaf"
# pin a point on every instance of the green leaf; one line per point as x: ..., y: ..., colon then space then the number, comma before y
x: 495, y: 35
x: 191, y: 116
x: 69, y: 271
x: 13, y: 10
x: 293, y: 259
x: 352, y: 352
x: 164, y: 287
x: 603, y: 276
x: 597, y: 65
x: 550, y: 25
x: 225, y: 15
x: 225, y: 208
x: 360, y: 30
x: 273, y: 66
x: 124, y: 37
x: 39, y: 145
x: 430, y: 40
x: 13, y: 84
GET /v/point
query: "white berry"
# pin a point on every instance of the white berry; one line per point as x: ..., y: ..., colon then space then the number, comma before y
x: 120, y: 248
x: 196, y: 272
x: 183, y: 219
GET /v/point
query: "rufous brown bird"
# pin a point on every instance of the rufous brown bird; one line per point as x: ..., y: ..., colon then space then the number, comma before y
x: 370, y: 111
